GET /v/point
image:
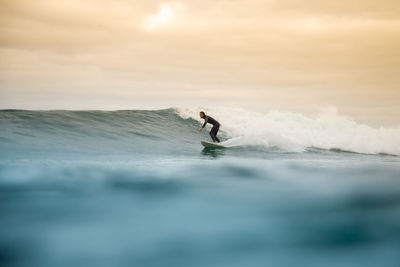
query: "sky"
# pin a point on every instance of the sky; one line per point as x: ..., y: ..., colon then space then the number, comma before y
x: 289, y: 55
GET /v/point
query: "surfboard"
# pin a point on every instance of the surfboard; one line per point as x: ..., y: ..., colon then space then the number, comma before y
x: 211, y: 145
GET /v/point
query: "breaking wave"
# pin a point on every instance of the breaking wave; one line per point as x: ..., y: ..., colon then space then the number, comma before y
x: 297, y: 132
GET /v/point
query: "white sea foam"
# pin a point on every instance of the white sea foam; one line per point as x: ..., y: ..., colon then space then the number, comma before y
x: 296, y: 132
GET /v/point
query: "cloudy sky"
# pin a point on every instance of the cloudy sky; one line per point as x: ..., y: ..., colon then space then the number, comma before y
x: 289, y: 55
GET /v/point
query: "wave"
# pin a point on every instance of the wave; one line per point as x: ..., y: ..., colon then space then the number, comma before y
x: 95, y: 132
x: 176, y: 132
x: 297, y: 132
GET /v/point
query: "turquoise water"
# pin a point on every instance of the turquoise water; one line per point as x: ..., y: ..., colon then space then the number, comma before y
x: 136, y: 188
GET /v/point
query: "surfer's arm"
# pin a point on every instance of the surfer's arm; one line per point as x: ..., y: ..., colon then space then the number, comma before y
x: 205, y: 122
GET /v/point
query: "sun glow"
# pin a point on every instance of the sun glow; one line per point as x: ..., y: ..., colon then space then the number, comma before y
x: 165, y: 15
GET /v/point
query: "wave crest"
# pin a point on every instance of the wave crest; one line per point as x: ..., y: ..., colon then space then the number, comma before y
x: 297, y: 132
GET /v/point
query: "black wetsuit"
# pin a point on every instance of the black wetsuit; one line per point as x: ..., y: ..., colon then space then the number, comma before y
x: 214, y: 129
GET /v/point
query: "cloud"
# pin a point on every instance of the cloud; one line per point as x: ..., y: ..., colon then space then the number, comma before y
x: 326, y: 51
x: 166, y: 14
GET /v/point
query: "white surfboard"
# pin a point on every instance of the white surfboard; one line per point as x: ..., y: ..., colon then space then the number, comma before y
x: 211, y: 145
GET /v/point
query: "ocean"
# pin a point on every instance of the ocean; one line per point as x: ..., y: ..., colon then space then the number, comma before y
x: 136, y: 188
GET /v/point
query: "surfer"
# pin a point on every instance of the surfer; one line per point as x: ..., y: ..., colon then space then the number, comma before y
x: 214, y: 129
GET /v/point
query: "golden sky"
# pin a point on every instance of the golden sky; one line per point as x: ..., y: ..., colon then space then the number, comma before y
x: 286, y: 54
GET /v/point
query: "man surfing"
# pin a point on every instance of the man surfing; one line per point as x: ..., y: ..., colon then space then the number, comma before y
x: 214, y: 129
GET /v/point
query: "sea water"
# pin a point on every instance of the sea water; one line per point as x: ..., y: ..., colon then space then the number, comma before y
x: 136, y: 188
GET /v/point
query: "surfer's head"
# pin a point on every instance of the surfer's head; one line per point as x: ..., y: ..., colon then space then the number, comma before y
x: 202, y: 114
